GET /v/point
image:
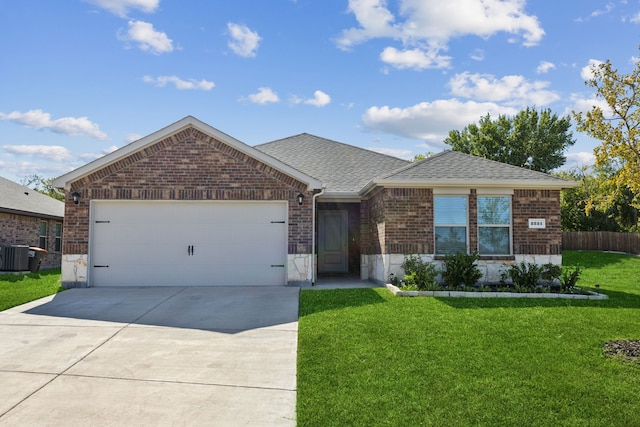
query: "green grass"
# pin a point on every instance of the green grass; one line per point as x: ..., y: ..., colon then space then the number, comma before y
x: 21, y: 288
x: 367, y: 358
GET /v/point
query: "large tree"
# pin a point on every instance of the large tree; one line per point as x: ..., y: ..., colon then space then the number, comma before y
x: 42, y: 185
x: 618, y: 128
x: 530, y: 139
x: 577, y: 205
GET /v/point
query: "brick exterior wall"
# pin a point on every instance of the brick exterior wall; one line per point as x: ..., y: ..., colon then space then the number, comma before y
x: 25, y: 230
x: 188, y: 165
x: 536, y: 204
x: 400, y: 221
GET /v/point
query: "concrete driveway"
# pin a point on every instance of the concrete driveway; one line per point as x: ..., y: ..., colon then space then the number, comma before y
x: 151, y: 356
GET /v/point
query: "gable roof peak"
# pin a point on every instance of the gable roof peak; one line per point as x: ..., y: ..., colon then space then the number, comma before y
x: 186, y: 122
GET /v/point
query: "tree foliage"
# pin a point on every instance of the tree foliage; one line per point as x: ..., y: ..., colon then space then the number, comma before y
x: 577, y: 205
x: 531, y: 139
x: 42, y: 185
x: 617, y: 127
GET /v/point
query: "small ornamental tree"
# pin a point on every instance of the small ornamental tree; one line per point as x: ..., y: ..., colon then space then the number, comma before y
x: 616, y: 125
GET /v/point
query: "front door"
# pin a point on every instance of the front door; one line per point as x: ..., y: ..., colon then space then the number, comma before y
x: 333, y: 247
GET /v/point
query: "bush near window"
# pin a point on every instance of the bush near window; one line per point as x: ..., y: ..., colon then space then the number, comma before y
x: 461, y: 269
x: 419, y: 275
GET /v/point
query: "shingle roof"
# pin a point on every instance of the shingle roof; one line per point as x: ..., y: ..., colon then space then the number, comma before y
x: 17, y: 198
x: 342, y: 167
x: 453, y: 165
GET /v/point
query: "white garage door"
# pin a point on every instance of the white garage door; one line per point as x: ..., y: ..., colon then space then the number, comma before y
x: 152, y: 243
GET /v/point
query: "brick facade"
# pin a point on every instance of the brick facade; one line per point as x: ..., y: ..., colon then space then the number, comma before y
x: 536, y: 204
x: 25, y: 230
x: 400, y: 221
x: 189, y: 165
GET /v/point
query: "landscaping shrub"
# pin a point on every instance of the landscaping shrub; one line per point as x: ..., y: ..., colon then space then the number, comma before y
x: 570, y: 278
x: 524, y: 275
x: 460, y: 268
x: 527, y: 276
x: 551, y: 272
x: 419, y: 275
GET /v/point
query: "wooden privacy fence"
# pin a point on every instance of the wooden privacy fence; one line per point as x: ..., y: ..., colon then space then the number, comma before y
x: 601, y: 241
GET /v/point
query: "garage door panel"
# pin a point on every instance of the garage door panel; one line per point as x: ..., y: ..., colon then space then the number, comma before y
x: 188, y: 243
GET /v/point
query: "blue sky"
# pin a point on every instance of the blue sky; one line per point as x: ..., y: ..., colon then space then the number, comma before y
x: 79, y: 78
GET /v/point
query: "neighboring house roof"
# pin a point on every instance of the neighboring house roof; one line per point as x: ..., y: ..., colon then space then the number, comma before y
x: 455, y: 169
x: 64, y: 181
x: 18, y: 199
x: 341, y: 167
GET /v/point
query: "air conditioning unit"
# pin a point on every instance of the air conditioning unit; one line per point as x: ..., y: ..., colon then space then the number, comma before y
x: 14, y: 258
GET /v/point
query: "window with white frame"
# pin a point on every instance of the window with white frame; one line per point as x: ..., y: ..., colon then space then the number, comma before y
x: 450, y: 224
x: 57, y: 247
x: 42, y: 240
x: 494, y: 225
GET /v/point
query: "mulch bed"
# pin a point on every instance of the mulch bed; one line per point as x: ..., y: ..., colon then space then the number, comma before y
x: 629, y: 349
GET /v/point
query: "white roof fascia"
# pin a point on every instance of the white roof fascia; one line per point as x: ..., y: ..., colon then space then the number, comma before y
x: 483, y: 183
x: 340, y: 196
x: 65, y: 180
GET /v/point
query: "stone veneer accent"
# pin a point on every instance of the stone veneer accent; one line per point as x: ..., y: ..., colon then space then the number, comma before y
x: 189, y: 165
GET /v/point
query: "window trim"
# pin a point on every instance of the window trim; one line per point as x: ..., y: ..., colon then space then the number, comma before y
x: 43, y: 236
x: 451, y: 194
x: 507, y: 196
x: 57, y: 238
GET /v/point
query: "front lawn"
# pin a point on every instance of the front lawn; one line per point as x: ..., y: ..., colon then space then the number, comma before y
x: 367, y: 358
x: 16, y: 289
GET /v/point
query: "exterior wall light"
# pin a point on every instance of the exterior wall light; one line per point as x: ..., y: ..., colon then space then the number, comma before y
x: 76, y: 197
x: 300, y: 199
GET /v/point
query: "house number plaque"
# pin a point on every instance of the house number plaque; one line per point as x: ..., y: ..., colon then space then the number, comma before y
x: 537, y: 223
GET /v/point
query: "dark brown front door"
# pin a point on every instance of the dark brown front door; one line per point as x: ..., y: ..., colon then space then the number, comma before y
x: 333, y: 248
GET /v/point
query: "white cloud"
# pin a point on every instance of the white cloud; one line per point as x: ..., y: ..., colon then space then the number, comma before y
x: 375, y: 20
x: 180, y: 84
x: 244, y: 42
x: 320, y: 99
x: 38, y: 119
x: 607, y: 9
x: 587, y: 71
x: 417, y: 59
x: 264, y: 96
x: 121, y: 7
x: 147, y: 38
x: 584, y: 105
x: 89, y: 157
x: 544, y: 67
x: 432, y: 23
x: 514, y: 90
x: 50, y: 152
x: 430, y: 121
x: 578, y: 160
x: 478, y: 55
x: 130, y: 138
x: 395, y: 152
x: 25, y: 168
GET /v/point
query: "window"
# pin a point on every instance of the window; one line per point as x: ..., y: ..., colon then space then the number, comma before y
x: 42, y: 242
x: 494, y: 225
x: 58, y: 236
x: 450, y: 221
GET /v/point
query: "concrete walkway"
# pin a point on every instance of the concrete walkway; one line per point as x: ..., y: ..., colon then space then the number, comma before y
x: 151, y: 356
